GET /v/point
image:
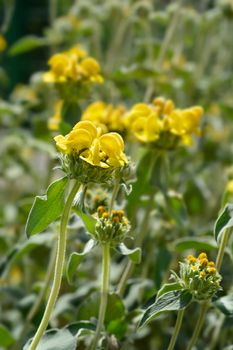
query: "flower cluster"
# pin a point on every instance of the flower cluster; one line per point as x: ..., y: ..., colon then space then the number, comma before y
x: 199, y: 276
x: 86, y: 149
x: 73, y: 65
x: 161, y: 120
x: 108, y: 117
x: 111, y: 227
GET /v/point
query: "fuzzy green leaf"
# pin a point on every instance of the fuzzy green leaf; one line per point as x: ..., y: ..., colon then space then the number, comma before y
x: 88, y: 220
x: 171, y: 301
x: 47, y: 208
x: 76, y: 258
x: 224, y: 221
x: 168, y: 287
x: 133, y: 254
x: 56, y: 339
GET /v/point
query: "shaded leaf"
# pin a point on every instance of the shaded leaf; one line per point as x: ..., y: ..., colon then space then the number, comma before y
x: 90, y: 307
x: 133, y: 254
x: 225, y: 304
x: 224, y: 221
x: 71, y: 112
x: 24, y: 248
x: 47, y: 208
x: 76, y: 258
x: 171, y: 301
x: 6, y: 339
x: 198, y: 243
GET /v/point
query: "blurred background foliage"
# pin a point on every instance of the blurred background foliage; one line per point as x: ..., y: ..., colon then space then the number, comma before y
x: 181, y: 50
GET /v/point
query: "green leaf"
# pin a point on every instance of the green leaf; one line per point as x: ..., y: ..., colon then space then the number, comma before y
x: 90, y: 307
x: 56, y: 339
x: 168, y: 287
x: 76, y: 258
x: 75, y: 327
x: 133, y: 254
x: 28, y: 43
x: 171, y: 301
x: 46, y: 209
x: 24, y: 248
x: 6, y: 339
x: 88, y: 220
x: 206, y: 243
x: 224, y: 221
x: 225, y: 304
x: 71, y: 112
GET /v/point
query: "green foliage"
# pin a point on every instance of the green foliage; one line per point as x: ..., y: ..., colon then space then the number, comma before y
x: 171, y: 301
x: 28, y: 43
x: 133, y: 254
x: 6, y: 338
x: 224, y: 221
x: 47, y: 208
x: 76, y: 258
x: 225, y: 304
x: 56, y: 339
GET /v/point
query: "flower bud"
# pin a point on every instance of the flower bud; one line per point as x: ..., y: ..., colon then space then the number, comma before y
x: 199, y: 276
x: 111, y: 227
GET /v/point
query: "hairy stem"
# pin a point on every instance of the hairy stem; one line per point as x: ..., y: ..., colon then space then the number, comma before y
x: 104, y: 293
x: 176, y: 329
x: 60, y: 258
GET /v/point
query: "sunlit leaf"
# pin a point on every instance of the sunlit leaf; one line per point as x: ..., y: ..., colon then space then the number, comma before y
x: 47, y: 208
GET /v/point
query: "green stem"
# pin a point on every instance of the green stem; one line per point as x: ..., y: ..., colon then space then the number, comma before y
x: 176, y: 329
x: 199, y: 324
x: 205, y: 305
x: 171, y: 30
x: 104, y: 293
x: 60, y: 258
x: 138, y: 242
x: 114, y: 195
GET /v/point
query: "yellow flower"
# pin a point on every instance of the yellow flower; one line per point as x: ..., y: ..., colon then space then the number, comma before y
x: 85, y: 141
x: 73, y: 65
x: 191, y: 259
x: 144, y: 123
x: 149, y: 122
x: 3, y: 43
x: 211, y: 269
x: 202, y: 256
x: 91, y: 69
x: 204, y: 262
x: 53, y: 123
x: 108, y: 117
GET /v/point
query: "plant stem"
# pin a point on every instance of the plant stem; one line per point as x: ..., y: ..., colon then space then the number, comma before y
x: 164, y: 47
x: 114, y: 195
x: 104, y: 292
x: 60, y: 258
x: 205, y: 305
x: 199, y: 324
x: 138, y: 242
x: 176, y: 329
